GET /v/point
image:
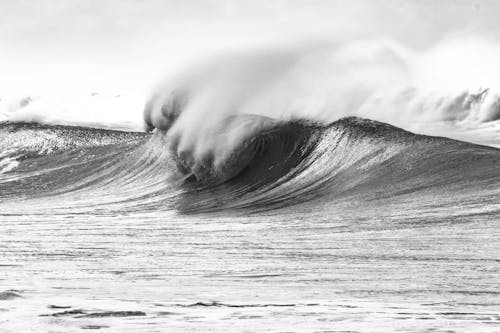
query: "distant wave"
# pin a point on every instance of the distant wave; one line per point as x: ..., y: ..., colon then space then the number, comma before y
x: 115, y: 111
x: 31, y: 139
x: 281, y: 163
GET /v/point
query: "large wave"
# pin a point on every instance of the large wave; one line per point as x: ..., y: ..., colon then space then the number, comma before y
x: 260, y: 129
x: 282, y: 163
x: 352, y: 158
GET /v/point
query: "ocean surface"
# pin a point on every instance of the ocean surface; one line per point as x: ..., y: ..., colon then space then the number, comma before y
x: 356, y: 226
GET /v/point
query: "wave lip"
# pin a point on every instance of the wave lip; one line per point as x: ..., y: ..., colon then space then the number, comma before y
x: 242, y: 145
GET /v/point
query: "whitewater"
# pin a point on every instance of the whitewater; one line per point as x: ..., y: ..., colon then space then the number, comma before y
x: 300, y: 188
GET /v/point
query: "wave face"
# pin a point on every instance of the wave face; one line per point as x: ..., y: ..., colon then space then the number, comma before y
x: 60, y: 169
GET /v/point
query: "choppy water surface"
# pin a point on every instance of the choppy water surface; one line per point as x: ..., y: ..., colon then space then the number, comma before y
x: 358, y: 227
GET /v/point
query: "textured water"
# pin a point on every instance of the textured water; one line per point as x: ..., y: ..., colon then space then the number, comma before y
x: 94, y: 237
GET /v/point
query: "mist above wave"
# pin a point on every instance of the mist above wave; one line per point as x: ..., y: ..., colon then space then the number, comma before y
x: 320, y: 82
x: 449, y: 89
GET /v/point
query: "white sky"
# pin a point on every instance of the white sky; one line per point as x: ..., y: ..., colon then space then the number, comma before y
x: 128, y: 45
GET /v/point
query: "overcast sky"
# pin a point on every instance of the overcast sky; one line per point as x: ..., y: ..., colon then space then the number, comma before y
x: 127, y: 45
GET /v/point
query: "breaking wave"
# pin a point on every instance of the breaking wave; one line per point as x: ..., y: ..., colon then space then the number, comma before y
x: 282, y: 163
x: 323, y: 82
x: 266, y: 129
